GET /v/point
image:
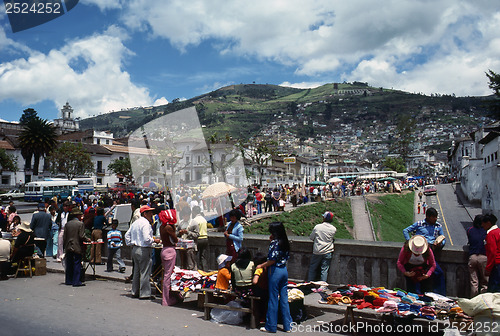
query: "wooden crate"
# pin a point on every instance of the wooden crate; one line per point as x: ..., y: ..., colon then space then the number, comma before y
x: 40, y: 266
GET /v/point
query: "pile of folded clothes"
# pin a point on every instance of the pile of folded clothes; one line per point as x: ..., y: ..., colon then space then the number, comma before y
x: 396, y: 301
x: 185, y: 280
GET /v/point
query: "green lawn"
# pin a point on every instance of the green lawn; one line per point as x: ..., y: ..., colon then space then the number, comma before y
x: 391, y: 214
x: 301, y: 221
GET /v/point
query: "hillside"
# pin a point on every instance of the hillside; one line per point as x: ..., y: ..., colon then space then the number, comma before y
x: 244, y: 110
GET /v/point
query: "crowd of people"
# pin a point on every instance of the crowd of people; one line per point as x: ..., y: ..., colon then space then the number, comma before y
x: 67, y: 229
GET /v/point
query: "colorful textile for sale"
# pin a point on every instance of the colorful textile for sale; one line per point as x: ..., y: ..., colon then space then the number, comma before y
x: 386, y: 301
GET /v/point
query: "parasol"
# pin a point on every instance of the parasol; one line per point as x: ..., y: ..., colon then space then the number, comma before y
x: 335, y: 180
x: 152, y: 185
x: 217, y: 190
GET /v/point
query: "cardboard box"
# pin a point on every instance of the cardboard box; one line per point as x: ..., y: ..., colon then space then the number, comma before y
x: 40, y: 266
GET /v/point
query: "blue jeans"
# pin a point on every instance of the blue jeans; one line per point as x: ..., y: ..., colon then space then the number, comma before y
x: 278, y: 297
x: 321, y: 261
x: 55, y: 237
x: 111, y: 253
x: 438, y: 281
x: 259, y: 207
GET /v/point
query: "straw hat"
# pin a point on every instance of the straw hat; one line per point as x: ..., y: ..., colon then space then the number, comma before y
x: 222, y: 259
x: 418, y: 244
x: 25, y: 226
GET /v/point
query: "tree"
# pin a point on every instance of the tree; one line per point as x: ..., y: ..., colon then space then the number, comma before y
x: 28, y: 114
x: 404, y: 136
x: 71, y: 160
x: 7, y: 161
x: 122, y: 167
x: 37, y: 139
x: 259, y: 153
x: 494, y: 84
x: 395, y: 164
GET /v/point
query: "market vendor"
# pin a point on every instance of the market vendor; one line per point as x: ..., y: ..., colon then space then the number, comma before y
x: 416, y: 262
x: 432, y: 230
x: 25, y: 243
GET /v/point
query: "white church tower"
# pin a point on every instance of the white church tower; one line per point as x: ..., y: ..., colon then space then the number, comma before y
x: 67, y: 124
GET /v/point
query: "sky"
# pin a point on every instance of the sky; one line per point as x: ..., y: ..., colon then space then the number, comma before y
x: 106, y: 55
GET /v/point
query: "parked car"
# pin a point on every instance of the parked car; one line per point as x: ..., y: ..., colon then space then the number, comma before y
x: 12, y: 194
x: 430, y: 189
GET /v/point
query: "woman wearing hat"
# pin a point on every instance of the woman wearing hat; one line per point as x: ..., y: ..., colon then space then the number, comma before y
x: 25, y: 243
x: 416, y: 261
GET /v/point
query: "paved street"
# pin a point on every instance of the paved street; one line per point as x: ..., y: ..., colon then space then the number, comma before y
x: 43, y: 305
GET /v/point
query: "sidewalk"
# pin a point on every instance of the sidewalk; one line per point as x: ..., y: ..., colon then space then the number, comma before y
x: 362, y: 225
x: 310, y: 301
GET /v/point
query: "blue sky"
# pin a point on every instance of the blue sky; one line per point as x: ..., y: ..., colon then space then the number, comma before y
x: 105, y: 55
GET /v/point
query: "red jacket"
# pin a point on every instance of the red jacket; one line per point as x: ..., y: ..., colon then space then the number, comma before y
x: 493, y: 249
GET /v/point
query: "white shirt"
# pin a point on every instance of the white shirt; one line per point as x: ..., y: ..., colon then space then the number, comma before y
x: 322, y: 236
x: 4, y: 249
x: 64, y: 219
x: 140, y: 233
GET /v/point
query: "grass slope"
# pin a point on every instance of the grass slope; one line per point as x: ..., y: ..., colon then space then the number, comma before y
x: 391, y: 214
x: 302, y: 220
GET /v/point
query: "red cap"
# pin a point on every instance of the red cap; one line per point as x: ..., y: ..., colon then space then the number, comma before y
x: 146, y: 208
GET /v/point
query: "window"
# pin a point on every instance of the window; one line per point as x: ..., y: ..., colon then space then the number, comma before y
x: 98, y: 141
x: 496, y: 155
x: 99, y: 180
x: 187, y: 159
x: 107, y: 142
x: 199, y: 158
x: 5, y: 179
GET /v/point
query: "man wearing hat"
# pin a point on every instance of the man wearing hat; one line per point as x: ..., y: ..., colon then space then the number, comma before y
x: 323, y: 237
x: 25, y: 243
x: 41, y: 224
x: 140, y: 237
x: 73, y: 238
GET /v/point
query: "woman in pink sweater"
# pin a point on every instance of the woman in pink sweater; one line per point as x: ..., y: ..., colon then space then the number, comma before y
x: 416, y: 261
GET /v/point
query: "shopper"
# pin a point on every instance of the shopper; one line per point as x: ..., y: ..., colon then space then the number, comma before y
x: 279, y: 251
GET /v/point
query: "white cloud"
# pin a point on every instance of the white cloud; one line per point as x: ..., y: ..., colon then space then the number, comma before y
x: 160, y: 101
x: 87, y: 72
x: 105, y: 4
x: 324, y: 37
x: 303, y: 85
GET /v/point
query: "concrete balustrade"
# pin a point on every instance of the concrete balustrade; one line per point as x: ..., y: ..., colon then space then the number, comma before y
x: 354, y: 262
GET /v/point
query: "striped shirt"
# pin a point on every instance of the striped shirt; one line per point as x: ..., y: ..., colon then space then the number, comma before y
x: 114, y: 239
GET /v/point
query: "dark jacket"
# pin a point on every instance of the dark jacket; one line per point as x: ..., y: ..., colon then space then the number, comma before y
x: 41, y: 223
x: 74, y: 236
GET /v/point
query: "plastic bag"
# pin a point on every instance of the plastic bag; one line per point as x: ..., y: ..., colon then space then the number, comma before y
x: 228, y: 316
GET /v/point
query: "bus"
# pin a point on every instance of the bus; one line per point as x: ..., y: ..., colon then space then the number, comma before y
x: 38, y: 191
x: 85, y: 185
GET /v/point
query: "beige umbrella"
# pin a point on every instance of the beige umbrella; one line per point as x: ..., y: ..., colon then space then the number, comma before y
x: 335, y: 180
x: 217, y: 190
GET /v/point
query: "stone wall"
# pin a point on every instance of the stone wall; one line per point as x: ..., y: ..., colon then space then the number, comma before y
x: 358, y: 262
x: 354, y: 262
